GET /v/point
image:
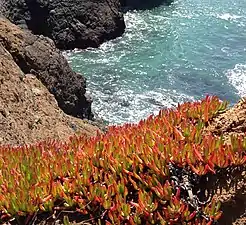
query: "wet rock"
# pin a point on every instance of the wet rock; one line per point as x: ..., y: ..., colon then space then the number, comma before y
x: 143, y: 4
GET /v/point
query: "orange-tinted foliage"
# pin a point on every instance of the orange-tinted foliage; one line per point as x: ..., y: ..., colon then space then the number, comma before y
x: 122, y: 175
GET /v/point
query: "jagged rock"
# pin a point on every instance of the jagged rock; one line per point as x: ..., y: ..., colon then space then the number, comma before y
x: 143, y: 4
x: 70, y: 23
x: 28, y: 112
x: 38, y: 55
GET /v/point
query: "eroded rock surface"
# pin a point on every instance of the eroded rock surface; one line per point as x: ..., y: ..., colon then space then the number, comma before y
x: 28, y: 112
x: 70, y: 23
x: 232, y: 195
x: 232, y: 122
x: 39, y: 56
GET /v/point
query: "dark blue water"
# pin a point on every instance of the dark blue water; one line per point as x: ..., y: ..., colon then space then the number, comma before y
x: 167, y: 55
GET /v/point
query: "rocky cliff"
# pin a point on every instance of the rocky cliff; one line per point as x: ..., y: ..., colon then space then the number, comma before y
x: 70, y: 23
x: 28, y: 112
x: 39, y: 56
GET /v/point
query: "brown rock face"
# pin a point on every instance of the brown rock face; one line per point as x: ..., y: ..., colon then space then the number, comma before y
x: 28, y: 112
x: 232, y: 196
x: 70, y: 23
x: 39, y: 56
x: 231, y: 122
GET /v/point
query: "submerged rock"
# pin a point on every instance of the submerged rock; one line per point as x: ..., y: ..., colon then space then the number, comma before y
x: 143, y: 4
x: 70, y: 23
x: 39, y: 56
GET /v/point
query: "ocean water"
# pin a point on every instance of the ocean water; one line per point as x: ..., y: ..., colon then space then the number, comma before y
x: 167, y: 55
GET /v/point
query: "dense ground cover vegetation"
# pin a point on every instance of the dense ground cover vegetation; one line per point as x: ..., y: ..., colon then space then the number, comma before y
x: 159, y: 171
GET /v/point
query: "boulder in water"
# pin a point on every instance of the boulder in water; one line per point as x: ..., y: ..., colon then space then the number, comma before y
x: 143, y: 4
x: 70, y: 23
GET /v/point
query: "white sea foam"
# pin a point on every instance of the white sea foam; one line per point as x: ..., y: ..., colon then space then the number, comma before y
x: 237, y: 77
x: 228, y: 16
x: 129, y: 106
x: 171, y: 44
x: 134, y: 20
x: 225, y: 49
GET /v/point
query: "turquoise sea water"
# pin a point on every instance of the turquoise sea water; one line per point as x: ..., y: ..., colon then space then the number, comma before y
x: 167, y: 55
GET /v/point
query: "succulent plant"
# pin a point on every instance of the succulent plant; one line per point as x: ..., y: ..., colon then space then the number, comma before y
x: 124, y: 175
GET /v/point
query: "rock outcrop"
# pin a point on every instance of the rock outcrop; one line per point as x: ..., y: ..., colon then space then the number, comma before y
x: 70, y: 23
x: 28, y: 112
x: 230, y: 123
x: 38, y: 55
x: 143, y: 4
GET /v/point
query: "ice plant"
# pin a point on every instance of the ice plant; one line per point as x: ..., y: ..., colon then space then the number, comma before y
x: 122, y: 176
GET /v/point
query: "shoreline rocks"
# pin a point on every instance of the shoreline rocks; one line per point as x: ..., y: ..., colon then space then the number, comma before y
x: 69, y: 23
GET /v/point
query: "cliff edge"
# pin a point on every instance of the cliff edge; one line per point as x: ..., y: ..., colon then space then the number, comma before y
x: 38, y: 55
x: 28, y: 111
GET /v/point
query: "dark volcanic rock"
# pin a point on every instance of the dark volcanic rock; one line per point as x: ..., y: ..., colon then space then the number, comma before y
x: 70, y: 23
x: 38, y: 55
x: 143, y: 4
